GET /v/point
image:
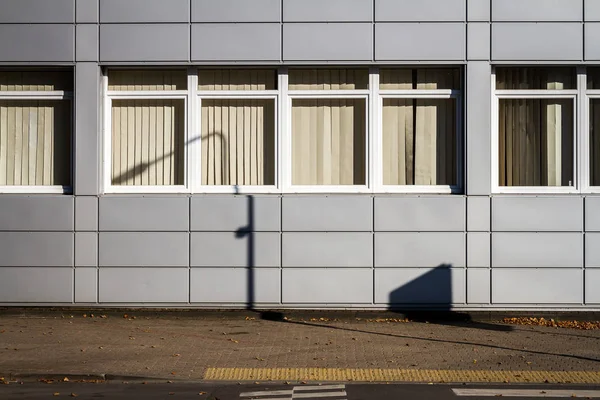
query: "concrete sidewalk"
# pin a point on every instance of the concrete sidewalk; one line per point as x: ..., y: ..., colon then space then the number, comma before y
x: 238, y: 346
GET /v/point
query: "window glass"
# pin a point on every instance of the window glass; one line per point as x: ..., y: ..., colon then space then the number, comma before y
x: 238, y: 142
x: 536, y: 142
x: 329, y: 142
x: 36, y: 81
x: 509, y: 78
x: 148, y: 142
x: 594, y: 142
x: 35, y: 143
x: 146, y: 80
x: 328, y: 79
x: 593, y: 78
x: 419, y: 78
x: 419, y: 142
x: 237, y: 79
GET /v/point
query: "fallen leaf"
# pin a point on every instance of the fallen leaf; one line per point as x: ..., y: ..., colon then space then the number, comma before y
x: 201, y: 393
x: 56, y: 394
x: 65, y: 379
x: 176, y: 355
x: 73, y: 395
x: 173, y: 373
x: 171, y: 393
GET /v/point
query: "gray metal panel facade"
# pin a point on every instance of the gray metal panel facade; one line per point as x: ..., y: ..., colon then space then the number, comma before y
x: 324, y: 286
x: 478, y: 41
x: 86, y: 285
x: 537, y: 214
x: 414, y: 214
x: 592, y: 250
x: 592, y: 48
x: 334, y: 42
x: 592, y: 10
x: 332, y: 213
x: 236, y: 11
x: 537, y: 10
x: 207, y: 285
x: 36, y: 249
x: 478, y: 249
x: 327, y: 249
x: 420, y: 42
x: 592, y: 283
x: 478, y: 10
x: 478, y: 213
x: 143, y: 285
x: 236, y: 42
x: 37, y: 11
x: 413, y: 286
x: 36, y: 285
x: 87, y: 11
x: 422, y: 10
x: 146, y: 214
x: 127, y: 11
x: 132, y: 42
x: 228, y: 249
x: 429, y: 249
x: 143, y: 249
x: 560, y: 250
x: 552, y: 286
x: 86, y: 249
x: 37, y: 43
x: 327, y: 10
x: 478, y: 286
x: 36, y: 213
x: 231, y: 213
x: 534, y: 41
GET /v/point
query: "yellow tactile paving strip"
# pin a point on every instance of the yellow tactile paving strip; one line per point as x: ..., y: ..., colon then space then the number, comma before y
x: 398, y: 375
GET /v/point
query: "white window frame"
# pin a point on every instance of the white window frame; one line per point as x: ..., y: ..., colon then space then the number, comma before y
x: 418, y: 94
x: 589, y: 95
x: 272, y: 95
x: 57, y: 95
x: 111, y: 95
x: 498, y: 95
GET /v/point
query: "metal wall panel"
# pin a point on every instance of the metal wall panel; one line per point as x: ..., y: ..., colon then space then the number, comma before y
x: 478, y: 10
x: 36, y: 213
x: 442, y: 213
x: 144, y: 285
x: 229, y: 249
x: 478, y: 41
x: 144, y: 11
x: 327, y: 213
x: 537, y: 10
x: 86, y: 213
x: 478, y: 249
x: 157, y: 42
x: 323, y: 286
x: 232, y: 213
x: 86, y: 285
x: 537, y: 42
x: 236, y: 11
x: 236, y: 42
x: 479, y: 120
x: 36, y: 285
x: 36, y: 11
x: 478, y: 286
x: 87, y: 11
x: 478, y: 213
x: 87, y: 132
x: 144, y: 213
x: 592, y: 214
x: 37, y: 43
x: 320, y: 249
x: 420, y: 42
x: 442, y: 286
x: 537, y: 250
x: 327, y: 10
x: 328, y: 42
x: 87, y: 43
x: 592, y: 47
x: 592, y: 10
x: 431, y: 249
x: 592, y: 250
x: 537, y: 286
x: 144, y: 249
x: 86, y: 249
x: 592, y: 286
x: 419, y: 11
x: 36, y: 249
x: 231, y: 285
x: 524, y: 213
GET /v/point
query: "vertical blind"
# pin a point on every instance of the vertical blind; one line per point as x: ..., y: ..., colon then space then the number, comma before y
x: 328, y: 79
x: 328, y: 142
x: 40, y: 81
x: 35, y: 143
x: 237, y: 79
x: 148, y: 142
x: 145, y: 80
x: 516, y: 78
x: 536, y: 142
x: 420, y: 78
x: 238, y: 142
x: 419, y: 142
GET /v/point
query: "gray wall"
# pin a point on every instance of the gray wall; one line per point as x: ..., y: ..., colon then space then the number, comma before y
x: 464, y: 251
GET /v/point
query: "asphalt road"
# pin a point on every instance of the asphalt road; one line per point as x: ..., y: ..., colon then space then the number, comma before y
x: 207, y: 391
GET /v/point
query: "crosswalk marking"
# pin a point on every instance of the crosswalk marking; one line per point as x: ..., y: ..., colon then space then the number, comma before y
x: 527, y: 393
x: 300, y: 392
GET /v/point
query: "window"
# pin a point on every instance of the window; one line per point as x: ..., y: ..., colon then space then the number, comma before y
x: 536, y: 129
x: 593, y: 95
x: 148, y: 130
x: 420, y: 125
x: 302, y: 130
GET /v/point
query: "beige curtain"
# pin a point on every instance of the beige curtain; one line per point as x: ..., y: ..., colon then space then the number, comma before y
x: 328, y: 142
x: 130, y: 80
x: 36, y: 81
x: 420, y: 78
x: 237, y: 79
x: 328, y: 79
x: 419, y: 142
x: 148, y: 142
x: 595, y: 142
x: 536, y: 142
x: 515, y: 78
x: 35, y: 143
x: 238, y: 142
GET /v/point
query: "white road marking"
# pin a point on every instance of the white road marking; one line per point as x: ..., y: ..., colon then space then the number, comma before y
x: 323, y: 387
x: 314, y: 395
x: 526, y: 392
x: 267, y: 393
x: 300, y: 392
